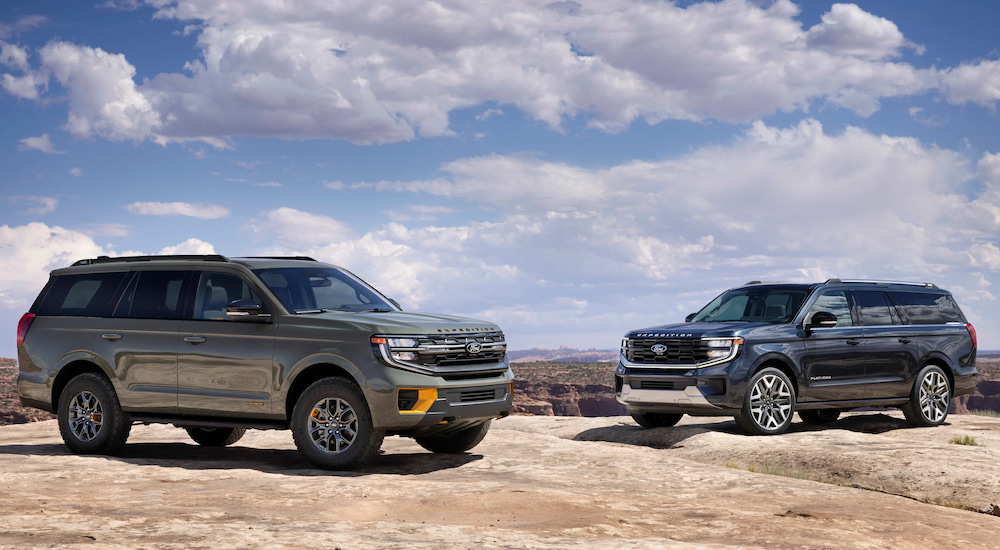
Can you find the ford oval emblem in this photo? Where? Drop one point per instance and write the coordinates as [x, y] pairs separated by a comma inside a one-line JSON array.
[[473, 348], [659, 349]]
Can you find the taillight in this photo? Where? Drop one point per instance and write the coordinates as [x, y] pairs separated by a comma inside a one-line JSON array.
[[22, 327], [972, 333]]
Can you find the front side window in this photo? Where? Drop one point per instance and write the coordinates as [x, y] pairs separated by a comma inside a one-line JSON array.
[[85, 295], [767, 304], [216, 291], [834, 302], [322, 289]]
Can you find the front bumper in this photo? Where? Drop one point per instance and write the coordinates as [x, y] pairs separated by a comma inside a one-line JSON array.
[[696, 392], [459, 408]]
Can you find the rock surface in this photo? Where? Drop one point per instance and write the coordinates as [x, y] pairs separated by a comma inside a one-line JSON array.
[[535, 482]]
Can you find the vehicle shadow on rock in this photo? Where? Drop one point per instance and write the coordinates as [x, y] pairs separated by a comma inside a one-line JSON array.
[[272, 461], [672, 437]]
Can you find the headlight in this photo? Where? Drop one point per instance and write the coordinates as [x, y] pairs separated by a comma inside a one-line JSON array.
[[401, 342], [721, 347]]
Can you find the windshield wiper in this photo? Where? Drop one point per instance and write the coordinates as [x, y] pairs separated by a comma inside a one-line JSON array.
[[321, 310], [378, 310]]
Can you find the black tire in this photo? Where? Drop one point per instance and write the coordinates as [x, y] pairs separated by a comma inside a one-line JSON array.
[[216, 437], [818, 417], [769, 403], [656, 420], [91, 420], [339, 439], [929, 398], [456, 442]]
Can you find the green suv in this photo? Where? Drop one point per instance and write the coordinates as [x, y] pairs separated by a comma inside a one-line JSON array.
[[217, 345]]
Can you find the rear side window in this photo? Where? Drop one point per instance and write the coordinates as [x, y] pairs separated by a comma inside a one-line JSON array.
[[874, 308], [82, 295], [927, 308], [156, 295]]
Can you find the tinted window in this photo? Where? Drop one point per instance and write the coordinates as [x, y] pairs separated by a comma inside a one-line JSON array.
[[85, 295], [927, 308], [155, 295], [216, 291], [874, 308], [836, 303]]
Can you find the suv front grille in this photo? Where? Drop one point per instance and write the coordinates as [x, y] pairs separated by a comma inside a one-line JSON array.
[[452, 350], [678, 352]]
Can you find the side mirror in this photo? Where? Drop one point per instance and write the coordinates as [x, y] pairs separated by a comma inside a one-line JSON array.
[[822, 319], [246, 310], [689, 317]]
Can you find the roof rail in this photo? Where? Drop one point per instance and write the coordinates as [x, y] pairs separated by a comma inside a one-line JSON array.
[[304, 258], [166, 258], [878, 282], [762, 283]]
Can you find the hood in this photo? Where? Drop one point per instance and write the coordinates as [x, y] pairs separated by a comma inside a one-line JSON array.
[[405, 322], [682, 331]]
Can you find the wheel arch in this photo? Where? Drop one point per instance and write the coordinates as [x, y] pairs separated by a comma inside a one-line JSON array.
[[70, 371], [308, 375], [942, 364], [781, 363]]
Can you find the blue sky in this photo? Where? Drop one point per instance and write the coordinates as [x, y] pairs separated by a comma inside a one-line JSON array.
[[570, 170]]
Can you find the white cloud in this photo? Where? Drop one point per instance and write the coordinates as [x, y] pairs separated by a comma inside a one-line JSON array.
[[103, 98], [647, 242], [389, 71], [977, 82], [45, 204], [190, 246], [848, 30], [75, 172], [13, 56], [296, 228], [105, 230], [984, 255], [41, 143], [203, 211], [267, 184], [30, 252]]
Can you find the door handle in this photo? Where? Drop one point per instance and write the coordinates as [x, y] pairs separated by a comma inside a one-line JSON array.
[[904, 340], [111, 336], [853, 342], [195, 339]]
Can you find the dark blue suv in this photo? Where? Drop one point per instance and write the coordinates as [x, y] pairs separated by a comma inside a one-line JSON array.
[[763, 351]]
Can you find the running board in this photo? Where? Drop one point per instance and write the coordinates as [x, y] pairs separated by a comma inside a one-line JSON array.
[[210, 422]]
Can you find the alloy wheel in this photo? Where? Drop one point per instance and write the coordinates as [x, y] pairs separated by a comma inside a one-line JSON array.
[[934, 396], [770, 402], [86, 416], [333, 425]]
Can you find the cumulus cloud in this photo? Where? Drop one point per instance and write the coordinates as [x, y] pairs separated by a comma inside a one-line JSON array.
[[296, 228], [977, 82], [103, 98], [190, 246], [75, 172], [848, 30], [390, 71], [41, 143], [203, 211], [30, 252]]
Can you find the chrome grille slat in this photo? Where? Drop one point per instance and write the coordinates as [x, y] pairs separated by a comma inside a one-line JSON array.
[[450, 350]]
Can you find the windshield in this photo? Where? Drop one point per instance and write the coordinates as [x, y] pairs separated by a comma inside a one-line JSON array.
[[765, 304], [316, 289]]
